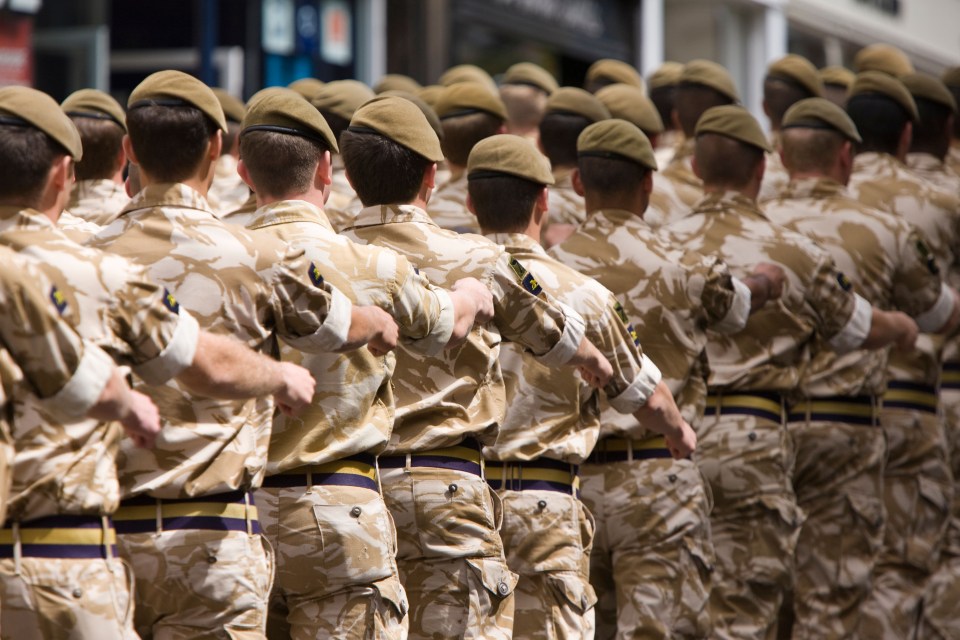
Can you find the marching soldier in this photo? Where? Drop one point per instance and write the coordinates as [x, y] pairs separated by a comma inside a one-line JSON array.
[[662, 85], [524, 89]]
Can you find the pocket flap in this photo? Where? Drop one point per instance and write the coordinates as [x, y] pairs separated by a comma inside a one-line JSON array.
[[392, 591], [933, 492], [868, 508], [574, 588], [495, 576]]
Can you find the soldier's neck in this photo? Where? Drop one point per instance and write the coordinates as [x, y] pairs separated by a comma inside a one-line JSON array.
[[598, 201], [200, 184]]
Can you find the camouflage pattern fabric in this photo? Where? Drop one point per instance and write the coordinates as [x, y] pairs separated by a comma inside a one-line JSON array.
[[676, 189], [565, 205], [953, 156], [77, 229], [935, 170], [448, 206], [667, 144], [342, 203], [97, 201], [242, 215], [228, 191]]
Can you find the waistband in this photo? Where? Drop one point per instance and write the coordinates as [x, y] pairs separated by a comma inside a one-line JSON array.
[[950, 375], [914, 396], [355, 471], [535, 475], [615, 449], [231, 511], [847, 409], [762, 404], [73, 537], [462, 457]]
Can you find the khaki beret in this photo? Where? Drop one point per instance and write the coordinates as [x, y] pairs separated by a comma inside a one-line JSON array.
[[837, 75], [886, 85], [26, 107], [426, 109], [342, 97], [91, 103], [666, 75], [927, 87], [506, 153], [396, 82], [467, 73], [631, 104], [401, 121], [531, 74], [951, 77], [820, 113], [799, 70], [174, 88], [263, 93], [307, 87], [615, 71], [615, 137], [735, 122], [430, 93], [232, 107], [882, 57], [465, 98], [709, 74], [287, 112], [578, 102]]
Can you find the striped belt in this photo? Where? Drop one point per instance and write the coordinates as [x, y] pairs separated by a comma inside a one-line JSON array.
[[762, 404], [613, 449], [462, 457], [910, 395], [60, 537], [537, 475], [355, 471], [846, 409], [232, 511], [950, 377]]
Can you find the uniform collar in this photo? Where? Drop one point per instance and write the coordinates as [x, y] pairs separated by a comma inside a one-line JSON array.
[[171, 194], [726, 202], [392, 213], [517, 242], [15, 216], [812, 188], [287, 211], [871, 159], [925, 162]]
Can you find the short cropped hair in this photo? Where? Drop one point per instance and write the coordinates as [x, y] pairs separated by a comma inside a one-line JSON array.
[[381, 170], [525, 104], [26, 154], [461, 133], [810, 150], [558, 136], [503, 203], [169, 142], [279, 163], [610, 175], [879, 120], [779, 94], [691, 100], [664, 98], [931, 135], [102, 142], [725, 162]]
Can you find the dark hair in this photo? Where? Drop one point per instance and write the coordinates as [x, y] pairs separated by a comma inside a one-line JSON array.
[[810, 149], [956, 121], [931, 135], [598, 83], [503, 202], [664, 98], [337, 124], [230, 136], [558, 136], [169, 142], [26, 155], [610, 175], [381, 170], [279, 163], [779, 94], [102, 141], [880, 121], [725, 162], [461, 133], [692, 99]]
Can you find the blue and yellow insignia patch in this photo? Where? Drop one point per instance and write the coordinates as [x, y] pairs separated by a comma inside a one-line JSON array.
[[623, 318], [315, 276], [844, 282], [926, 256], [527, 281], [170, 302], [58, 300]]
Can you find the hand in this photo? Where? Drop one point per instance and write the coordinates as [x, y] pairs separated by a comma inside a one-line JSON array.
[[684, 444], [597, 373], [141, 420], [774, 275], [386, 334], [479, 294], [297, 390], [661, 415], [907, 331]]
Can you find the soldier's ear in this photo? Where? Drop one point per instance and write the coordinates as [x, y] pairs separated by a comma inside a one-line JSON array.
[[216, 145], [127, 146], [577, 182], [324, 175], [244, 174], [695, 167]]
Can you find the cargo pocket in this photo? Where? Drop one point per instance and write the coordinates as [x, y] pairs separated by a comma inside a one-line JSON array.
[[860, 547], [357, 542], [494, 576], [454, 515], [392, 591], [773, 540], [571, 590], [929, 524]]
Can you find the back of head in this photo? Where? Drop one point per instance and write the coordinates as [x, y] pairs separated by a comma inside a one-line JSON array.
[[468, 113], [630, 104], [703, 84], [813, 133], [789, 80], [730, 146], [935, 108], [882, 57], [233, 111], [614, 157], [609, 71], [524, 90], [662, 85], [569, 111], [881, 107], [101, 123], [337, 101]]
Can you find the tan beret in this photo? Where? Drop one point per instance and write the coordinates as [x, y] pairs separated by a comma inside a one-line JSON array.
[[615, 137], [174, 88], [264, 93], [577, 101], [466, 98], [879, 82], [430, 93], [799, 70], [837, 75], [396, 82], [735, 122], [468, 73], [882, 57], [232, 107], [820, 113], [91, 103], [287, 112], [951, 77], [506, 153], [531, 74], [307, 87], [26, 107], [425, 109], [342, 97], [401, 121], [631, 104], [710, 74], [666, 75], [927, 87], [614, 71]]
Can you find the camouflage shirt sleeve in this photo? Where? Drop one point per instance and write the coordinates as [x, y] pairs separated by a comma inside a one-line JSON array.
[[725, 299], [918, 289], [634, 374], [423, 312], [841, 316]]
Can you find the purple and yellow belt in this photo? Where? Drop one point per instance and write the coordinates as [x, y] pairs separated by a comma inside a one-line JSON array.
[[543, 474], [62, 536], [354, 471], [463, 457], [230, 511], [617, 449]]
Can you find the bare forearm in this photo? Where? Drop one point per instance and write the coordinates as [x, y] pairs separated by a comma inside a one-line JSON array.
[[228, 369], [661, 414], [890, 327]]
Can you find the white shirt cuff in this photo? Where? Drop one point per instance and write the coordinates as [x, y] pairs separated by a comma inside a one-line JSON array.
[[636, 395], [739, 312], [176, 356], [83, 390], [333, 334], [573, 332], [933, 319], [856, 330]]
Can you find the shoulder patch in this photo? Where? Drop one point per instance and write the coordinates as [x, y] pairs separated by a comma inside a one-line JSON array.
[[926, 256], [527, 281], [58, 300], [315, 276], [170, 302], [844, 281], [618, 308]]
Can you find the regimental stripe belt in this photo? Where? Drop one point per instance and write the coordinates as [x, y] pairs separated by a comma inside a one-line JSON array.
[[75, 537], [950, 378], [761, 404], [462, 457], [355, 471], [846, 409], [910, 395], [613, 449], [536, 475], [232, 511]]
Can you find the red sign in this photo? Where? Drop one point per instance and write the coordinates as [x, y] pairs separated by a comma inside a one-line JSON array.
[[16, 55]]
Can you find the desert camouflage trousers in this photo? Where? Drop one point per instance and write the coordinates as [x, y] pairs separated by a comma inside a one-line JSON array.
[[917, 494], [336, 572], [196, 583], [450, 554], [838, 481], [69, 599], [755, 522], [652, 554], [547, 537]]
